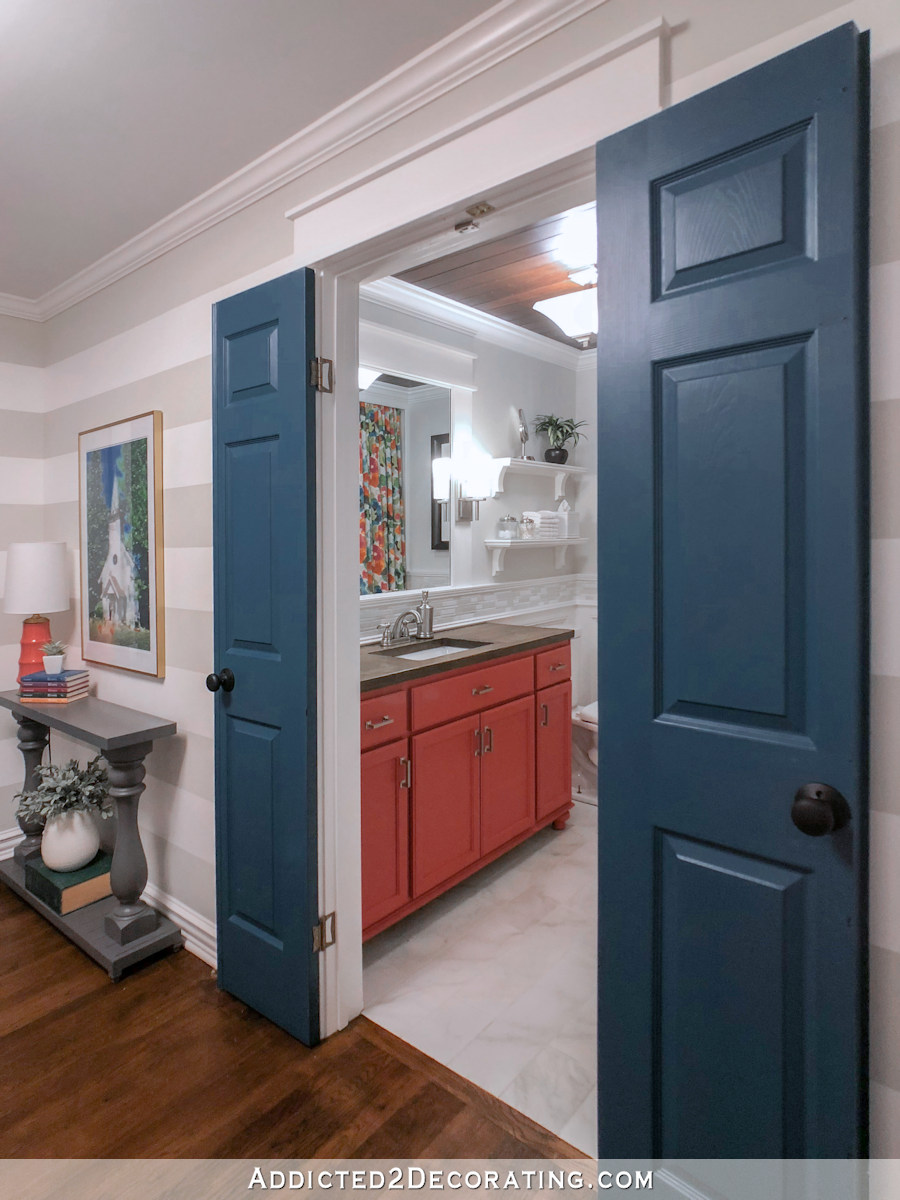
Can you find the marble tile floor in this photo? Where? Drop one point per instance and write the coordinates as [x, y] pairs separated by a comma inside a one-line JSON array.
[[497, 979]]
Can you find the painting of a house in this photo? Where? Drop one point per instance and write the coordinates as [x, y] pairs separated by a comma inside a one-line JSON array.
[[119, 526]]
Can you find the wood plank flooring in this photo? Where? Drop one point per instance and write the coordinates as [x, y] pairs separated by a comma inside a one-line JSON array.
[[163, 1065]]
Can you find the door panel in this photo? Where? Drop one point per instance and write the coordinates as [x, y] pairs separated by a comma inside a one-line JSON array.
[[385, 831], [553, 748], [265, 622], [446, 801], [732, 540], [507, 772]]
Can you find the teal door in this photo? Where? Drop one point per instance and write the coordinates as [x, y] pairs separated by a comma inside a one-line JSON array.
[[732, 526], [264, 526]]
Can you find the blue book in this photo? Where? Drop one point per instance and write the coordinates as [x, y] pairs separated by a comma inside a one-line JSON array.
[[43, 677]]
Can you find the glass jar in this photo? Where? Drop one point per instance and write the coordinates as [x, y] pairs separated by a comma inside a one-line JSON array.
[[508, 528]]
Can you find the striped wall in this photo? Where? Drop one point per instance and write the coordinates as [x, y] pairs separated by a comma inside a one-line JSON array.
[[63, 378]]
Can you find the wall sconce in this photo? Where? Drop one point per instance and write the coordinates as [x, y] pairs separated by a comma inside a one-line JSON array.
[[469, 482]]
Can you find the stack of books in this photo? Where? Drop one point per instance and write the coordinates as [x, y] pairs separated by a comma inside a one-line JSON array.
[[41, 688]]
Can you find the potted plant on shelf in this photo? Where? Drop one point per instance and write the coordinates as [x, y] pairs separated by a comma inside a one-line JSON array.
[[54, 657], [68, 798], [559, 430]]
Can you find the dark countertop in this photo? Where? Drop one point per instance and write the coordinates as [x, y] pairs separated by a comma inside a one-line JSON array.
[[379, 670], [97, 722]]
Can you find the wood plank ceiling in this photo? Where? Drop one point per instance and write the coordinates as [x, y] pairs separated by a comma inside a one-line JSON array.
[[505, 277]]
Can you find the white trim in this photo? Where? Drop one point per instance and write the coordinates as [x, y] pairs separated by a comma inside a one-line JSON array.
[[405, 297], [199, 932], [20, 306], [9, 839], [400, 353], [488, 40]]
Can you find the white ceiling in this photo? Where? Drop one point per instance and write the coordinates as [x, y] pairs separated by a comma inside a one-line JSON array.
[[114, 113]]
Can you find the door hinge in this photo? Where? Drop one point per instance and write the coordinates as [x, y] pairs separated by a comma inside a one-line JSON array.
[[321, 374], [324, 933]]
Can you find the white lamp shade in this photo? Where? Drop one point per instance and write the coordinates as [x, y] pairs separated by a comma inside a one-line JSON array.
[[37, 578]]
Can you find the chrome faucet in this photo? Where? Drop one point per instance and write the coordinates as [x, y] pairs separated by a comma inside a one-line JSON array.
[[423, 616]]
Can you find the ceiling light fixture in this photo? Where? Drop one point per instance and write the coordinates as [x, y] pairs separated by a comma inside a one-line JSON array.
[[576, 243], [575, 312]]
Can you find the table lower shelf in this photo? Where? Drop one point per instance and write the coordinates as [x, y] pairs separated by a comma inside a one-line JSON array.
[[85, 927]]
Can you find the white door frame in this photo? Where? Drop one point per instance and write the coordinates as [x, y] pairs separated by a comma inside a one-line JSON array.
[[623, 89]]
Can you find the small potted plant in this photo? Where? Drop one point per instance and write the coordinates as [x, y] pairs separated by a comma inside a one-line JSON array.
[[559, 430], [68, 798], [54, 657]]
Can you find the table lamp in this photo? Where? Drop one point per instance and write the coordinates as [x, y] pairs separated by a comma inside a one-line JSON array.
[[37, 581]]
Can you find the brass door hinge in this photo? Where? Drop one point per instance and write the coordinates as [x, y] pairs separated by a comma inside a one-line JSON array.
[[324, 933], [321, 374]]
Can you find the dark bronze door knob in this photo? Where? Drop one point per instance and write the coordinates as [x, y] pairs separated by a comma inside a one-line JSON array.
[[224, 680], [819, 809]]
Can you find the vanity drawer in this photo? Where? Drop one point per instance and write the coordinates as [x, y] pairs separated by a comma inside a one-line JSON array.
[[553, 665], [382, 719], [493, 683]]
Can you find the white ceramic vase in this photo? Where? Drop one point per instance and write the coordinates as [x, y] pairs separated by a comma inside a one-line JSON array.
[[53, 663], [70, 841]]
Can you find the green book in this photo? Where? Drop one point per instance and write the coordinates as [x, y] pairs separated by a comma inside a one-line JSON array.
[[64, 891]]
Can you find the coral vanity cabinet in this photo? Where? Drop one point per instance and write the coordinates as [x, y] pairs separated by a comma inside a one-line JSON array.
[[458, 767]]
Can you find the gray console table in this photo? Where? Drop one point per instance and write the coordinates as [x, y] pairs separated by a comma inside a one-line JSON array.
[[120, 931]]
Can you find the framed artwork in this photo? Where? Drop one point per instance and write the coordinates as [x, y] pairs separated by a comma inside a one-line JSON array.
[[121, 562], [440, 521]]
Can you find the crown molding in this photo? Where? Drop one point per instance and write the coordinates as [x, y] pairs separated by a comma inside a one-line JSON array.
[[19, 306], [484, 42], [407, 298]]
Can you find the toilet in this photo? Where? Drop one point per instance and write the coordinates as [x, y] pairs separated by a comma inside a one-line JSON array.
[[585, 754]]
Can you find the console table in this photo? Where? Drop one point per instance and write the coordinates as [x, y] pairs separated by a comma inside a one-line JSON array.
[[120, 931]]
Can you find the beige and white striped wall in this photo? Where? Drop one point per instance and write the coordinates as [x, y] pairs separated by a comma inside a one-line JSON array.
[[143, 343]]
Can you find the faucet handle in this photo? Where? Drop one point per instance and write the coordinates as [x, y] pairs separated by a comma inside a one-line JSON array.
[[385, 629]]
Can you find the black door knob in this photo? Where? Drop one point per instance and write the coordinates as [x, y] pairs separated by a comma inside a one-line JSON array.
[[224, 680], [819, 809]]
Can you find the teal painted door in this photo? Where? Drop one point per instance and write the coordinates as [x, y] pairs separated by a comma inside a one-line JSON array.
[[732, 518], [264, 523]]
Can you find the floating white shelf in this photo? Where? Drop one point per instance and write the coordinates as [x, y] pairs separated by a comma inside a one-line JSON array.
[[545, 470], [499, 547]]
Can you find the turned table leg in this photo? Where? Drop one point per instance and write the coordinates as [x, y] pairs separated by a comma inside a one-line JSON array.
[[33, 738], [132, 919]]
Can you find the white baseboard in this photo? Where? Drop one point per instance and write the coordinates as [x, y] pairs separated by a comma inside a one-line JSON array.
[[9, 839], [199, 932]]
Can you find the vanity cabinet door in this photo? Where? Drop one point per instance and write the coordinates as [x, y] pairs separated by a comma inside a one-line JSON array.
[[385, 830], [445, 802], [507, 772], [554, 748]]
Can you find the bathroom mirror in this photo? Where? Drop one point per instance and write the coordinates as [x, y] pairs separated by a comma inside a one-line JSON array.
[[404, 545]]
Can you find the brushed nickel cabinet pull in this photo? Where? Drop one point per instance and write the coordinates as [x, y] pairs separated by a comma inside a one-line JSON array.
[[406, 782], [477, 743], [546, 711], [482, 690], [558, 667], [490, 736], [385, 720]]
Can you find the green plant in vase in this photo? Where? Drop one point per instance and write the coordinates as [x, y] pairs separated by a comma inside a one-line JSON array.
[[67, 799], [559, 431], [54, 656]]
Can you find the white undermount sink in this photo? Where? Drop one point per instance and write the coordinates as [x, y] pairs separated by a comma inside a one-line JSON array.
[[439, 648]]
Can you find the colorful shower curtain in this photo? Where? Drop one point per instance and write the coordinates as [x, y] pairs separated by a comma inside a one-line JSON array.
[[382, 541]]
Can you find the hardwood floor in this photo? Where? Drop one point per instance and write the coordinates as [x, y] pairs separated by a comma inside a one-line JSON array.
[[163, 1065]]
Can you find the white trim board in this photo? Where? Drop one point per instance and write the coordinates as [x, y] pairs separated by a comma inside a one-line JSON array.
[[488, 40]]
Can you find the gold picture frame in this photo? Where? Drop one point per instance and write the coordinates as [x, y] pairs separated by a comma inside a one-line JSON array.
[[120, 522]]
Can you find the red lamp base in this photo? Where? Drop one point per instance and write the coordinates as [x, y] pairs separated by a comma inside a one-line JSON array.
[[35, 634]]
